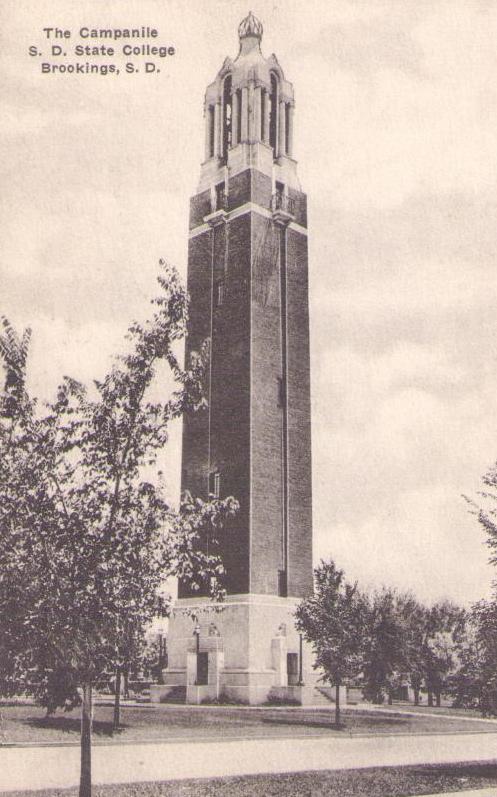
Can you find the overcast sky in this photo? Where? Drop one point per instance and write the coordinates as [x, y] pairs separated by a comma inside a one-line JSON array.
[[395, 134]]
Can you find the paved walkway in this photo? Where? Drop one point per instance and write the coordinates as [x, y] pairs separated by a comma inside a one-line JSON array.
[[409, 713], [473, 793], [57, 766]]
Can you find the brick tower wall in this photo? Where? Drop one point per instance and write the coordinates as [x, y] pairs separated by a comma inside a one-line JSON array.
[[245, 415], [267, 470], [230, 395], [300, 580]]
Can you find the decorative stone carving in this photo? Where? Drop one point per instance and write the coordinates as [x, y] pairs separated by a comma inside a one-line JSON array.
[[250, 26]]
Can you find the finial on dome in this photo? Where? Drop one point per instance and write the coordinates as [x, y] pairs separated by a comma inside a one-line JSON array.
[[250, 26]]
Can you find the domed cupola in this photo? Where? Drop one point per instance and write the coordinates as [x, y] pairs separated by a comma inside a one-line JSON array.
[[250, 26]]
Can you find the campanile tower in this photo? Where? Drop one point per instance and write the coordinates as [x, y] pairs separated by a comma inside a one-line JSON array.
[[248, 283]]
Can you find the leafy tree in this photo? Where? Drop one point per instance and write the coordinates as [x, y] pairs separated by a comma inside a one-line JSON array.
[[414, 616], [444, 621], [332, 620], [474, 682], [408, 640], [484, 615], [154, 657], [416, 681], [13, 352], [411, 617], [487, 513], [86, 535], [476, 678], [386, 648]]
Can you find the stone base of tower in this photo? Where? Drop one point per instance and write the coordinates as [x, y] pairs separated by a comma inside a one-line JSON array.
[[248, 651]]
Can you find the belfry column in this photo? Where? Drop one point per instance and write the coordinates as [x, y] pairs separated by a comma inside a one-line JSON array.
[[251, 112], [290, 131], [217, 129], [266, 116], [207, 116], [257, 113], [282, 129], [234, 119], [245, 115]]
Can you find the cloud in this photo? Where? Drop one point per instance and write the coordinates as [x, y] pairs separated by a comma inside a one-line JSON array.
[[403, 369], [365, 46], [413, 545], [401, 99]]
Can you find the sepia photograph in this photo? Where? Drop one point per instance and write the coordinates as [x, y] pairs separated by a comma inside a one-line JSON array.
[[248, 398]]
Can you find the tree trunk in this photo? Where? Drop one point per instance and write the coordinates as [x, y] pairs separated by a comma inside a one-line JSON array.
[[430, 698], [390, 697], [160, 677], [416, 697], [337, 705], [117, 700], [126, 683], [86, 718], [438, 696]]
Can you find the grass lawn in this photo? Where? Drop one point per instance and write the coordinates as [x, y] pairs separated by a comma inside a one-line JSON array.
[[28, 724], [349, 783]]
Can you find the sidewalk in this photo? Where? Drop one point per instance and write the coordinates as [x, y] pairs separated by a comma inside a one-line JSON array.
[[56, 767], [473, 793], [409, 713]]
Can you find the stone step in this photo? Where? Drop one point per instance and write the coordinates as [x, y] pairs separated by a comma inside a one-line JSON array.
[[322, 697]]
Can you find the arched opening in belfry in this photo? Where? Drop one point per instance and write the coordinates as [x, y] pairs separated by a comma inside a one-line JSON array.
[[227, 116], [273, 114]]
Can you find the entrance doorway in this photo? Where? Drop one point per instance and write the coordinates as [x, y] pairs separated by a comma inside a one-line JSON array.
[[202, 669], [292, 667]]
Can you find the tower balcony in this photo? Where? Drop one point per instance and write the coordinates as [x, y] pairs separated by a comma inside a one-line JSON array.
[[283, 208]]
